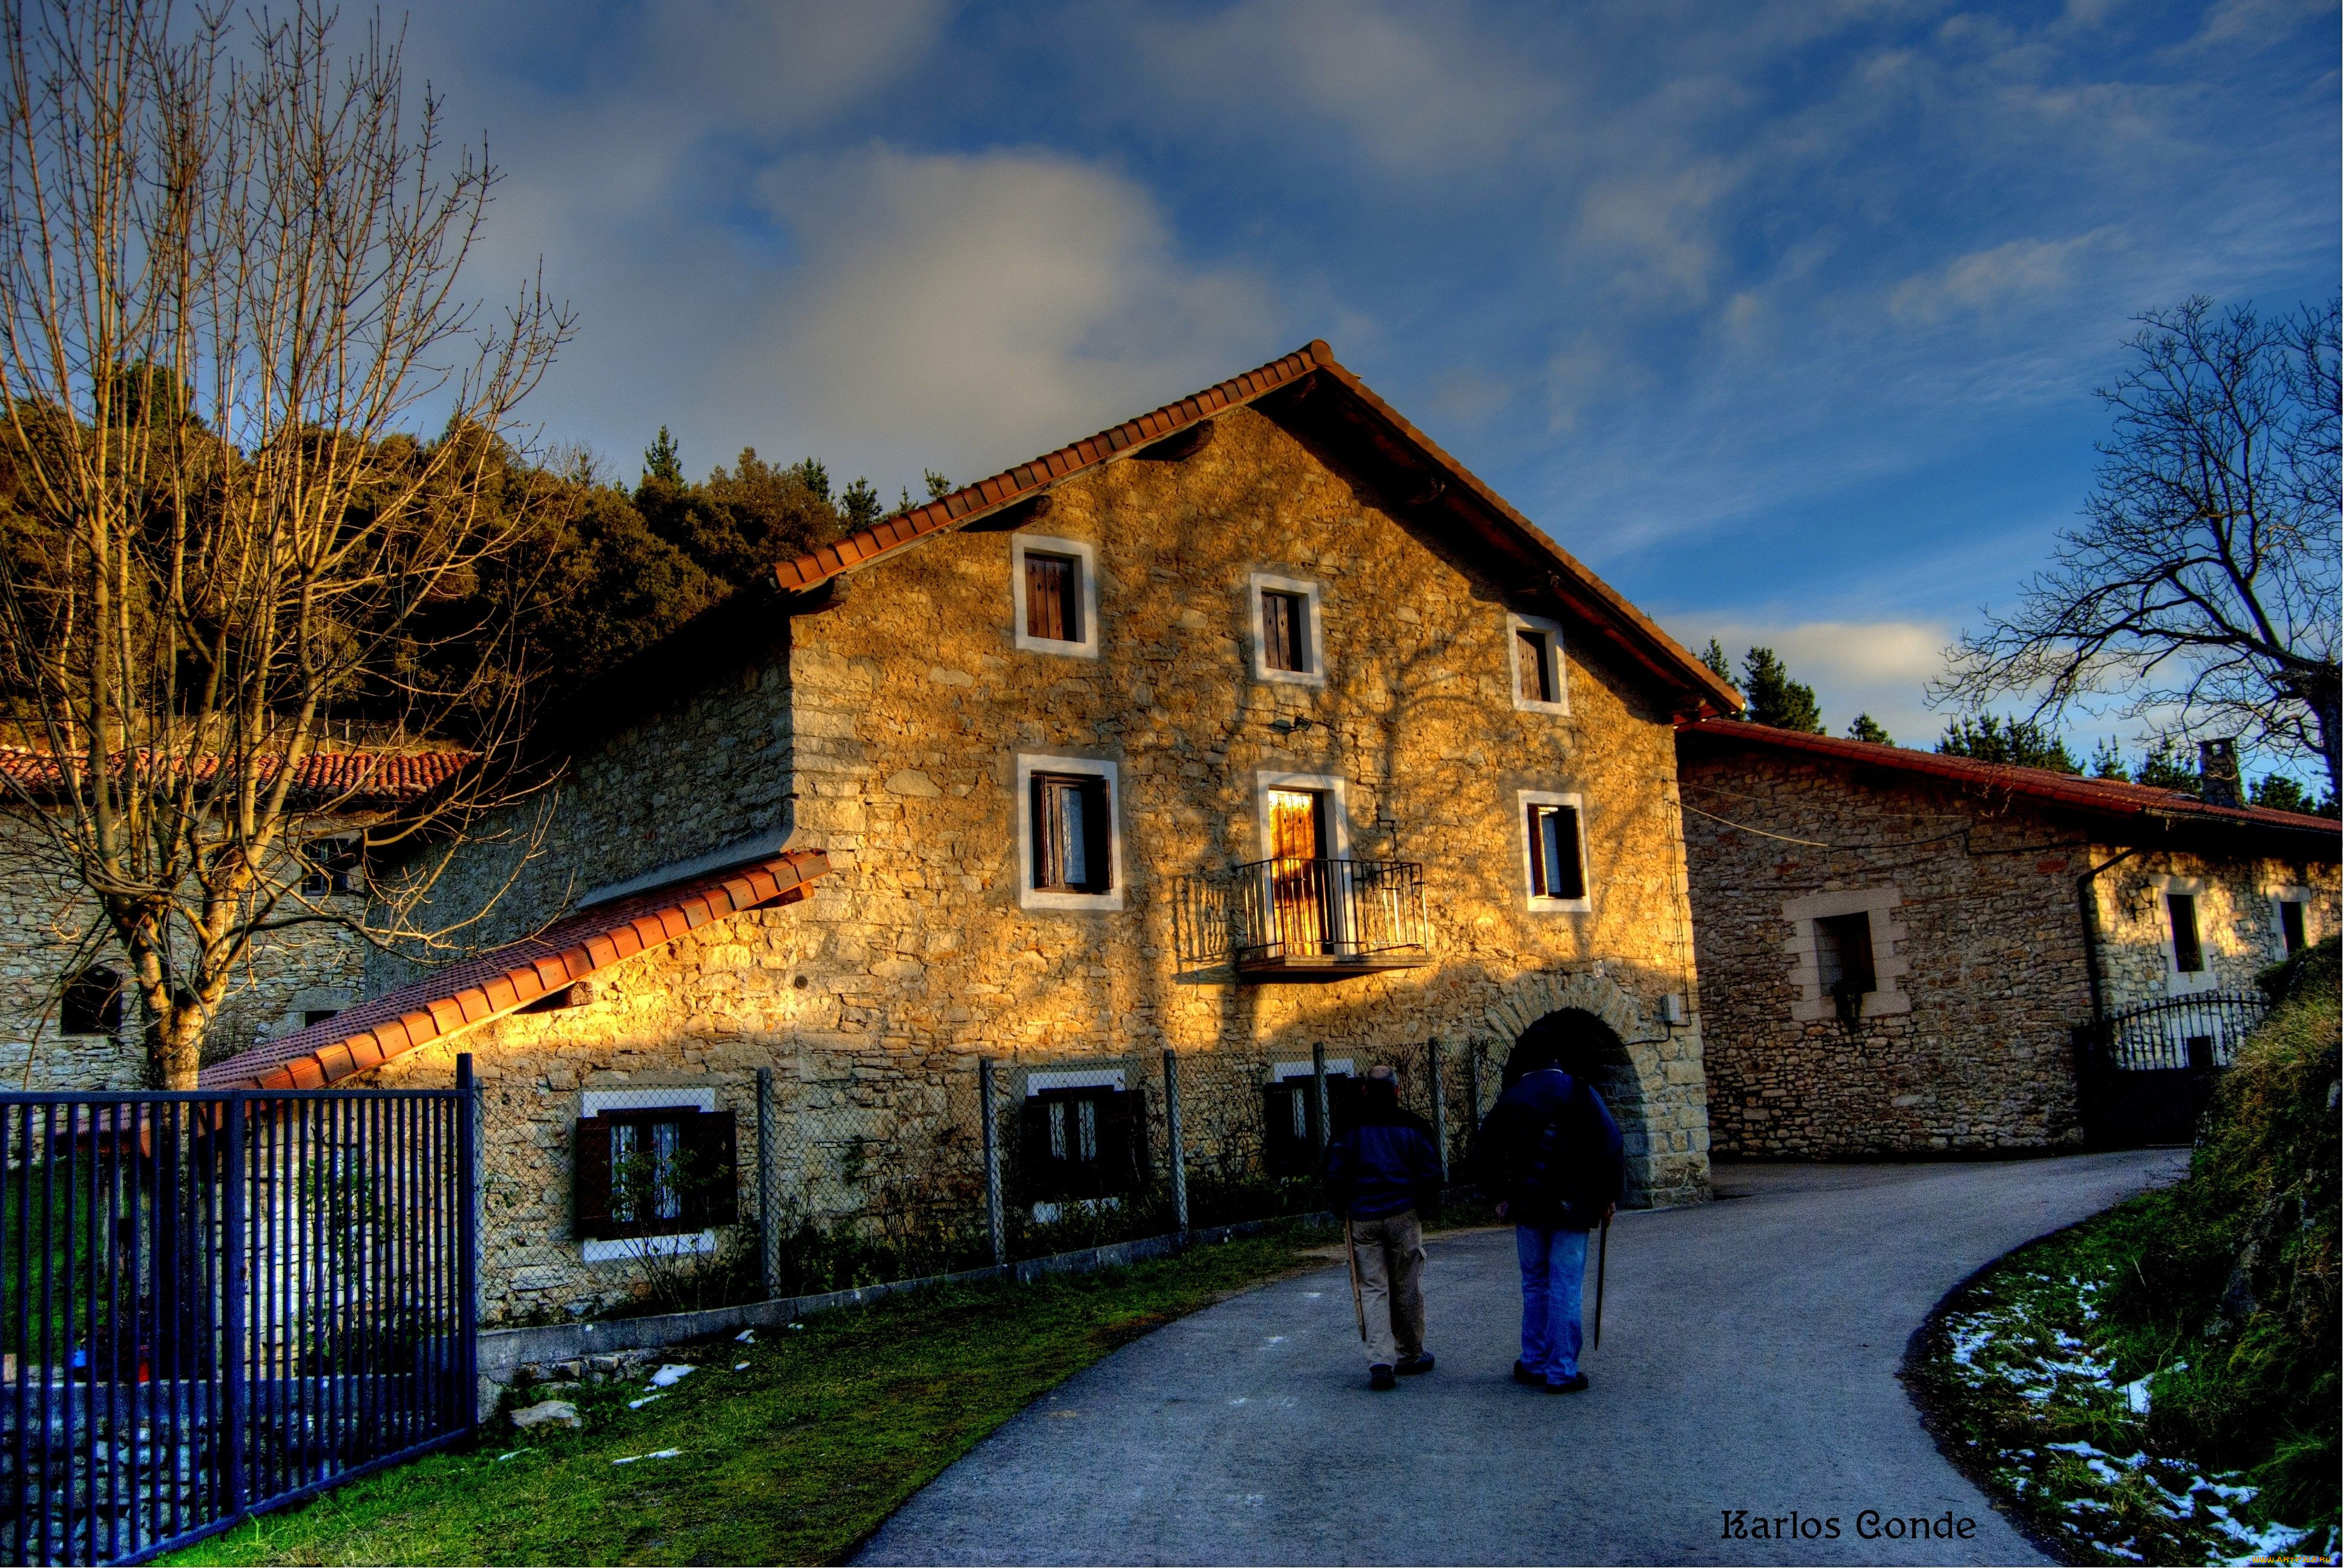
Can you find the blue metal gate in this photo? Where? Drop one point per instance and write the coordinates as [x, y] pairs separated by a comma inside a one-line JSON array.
[[213, 1304]]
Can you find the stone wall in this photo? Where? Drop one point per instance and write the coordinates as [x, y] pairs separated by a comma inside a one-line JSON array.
[[1977, 934], [2236, 919], [42, 921], [892, 741]]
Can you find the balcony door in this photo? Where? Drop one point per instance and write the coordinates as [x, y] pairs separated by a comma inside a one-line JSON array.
[[1298, 843]]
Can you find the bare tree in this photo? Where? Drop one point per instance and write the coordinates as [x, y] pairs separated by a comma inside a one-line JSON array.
[[2201, 591], [230, 263]]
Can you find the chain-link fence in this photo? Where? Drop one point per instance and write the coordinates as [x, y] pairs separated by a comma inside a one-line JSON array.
[[671, 1192]]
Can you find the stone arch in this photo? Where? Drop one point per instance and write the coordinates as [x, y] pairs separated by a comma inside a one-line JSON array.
[[1626, 1066]]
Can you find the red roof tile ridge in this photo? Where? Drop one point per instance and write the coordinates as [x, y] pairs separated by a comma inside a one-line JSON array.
[[2045, 783], [472, 991]]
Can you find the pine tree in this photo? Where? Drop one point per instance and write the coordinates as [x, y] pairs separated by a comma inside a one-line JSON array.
[[2107, 762], [2018, 742], [1774, 699], [2167, 765], [1867, 728], [937, 486], [815, 476], [860, 504], [663, 461], [1718, 665]]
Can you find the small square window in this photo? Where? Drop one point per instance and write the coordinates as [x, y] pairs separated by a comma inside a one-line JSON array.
[[1070, 826], [1082, 1143], [1555, 871], [1054, 597], [2188, 948], [656, 1171], [2291, 924], [1284, 630], [1843, 955], [329, 867], [91, 1003]]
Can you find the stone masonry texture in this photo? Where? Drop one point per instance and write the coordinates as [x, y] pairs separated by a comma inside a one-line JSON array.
[[886, 728], [1988, 931]]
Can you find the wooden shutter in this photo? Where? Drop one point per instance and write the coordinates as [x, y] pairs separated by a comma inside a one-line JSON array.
[[1037, 1169], [1050, 606], [1538, 876], [1281, 621], [589, 1178], [712, 1169], [1566, 877], [1122, 1139], [1536, 675], [1098, 835]]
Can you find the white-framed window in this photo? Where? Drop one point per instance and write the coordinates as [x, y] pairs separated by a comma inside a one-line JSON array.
[[1288, 630], [1068, 834], [1540, 684], [1553, 851], [1302, 811], [2290, 919], [1055, 585], [2180, 910], [1846, 942], [651, 1166]]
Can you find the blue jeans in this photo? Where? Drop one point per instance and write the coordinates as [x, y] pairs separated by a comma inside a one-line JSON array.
[[1554, 1276]]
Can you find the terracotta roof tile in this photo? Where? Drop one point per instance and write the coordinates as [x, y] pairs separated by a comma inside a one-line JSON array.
[[2105, 797], [468, 993], [367, 778]]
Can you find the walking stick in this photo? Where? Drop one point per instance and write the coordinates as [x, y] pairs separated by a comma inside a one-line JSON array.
[[1601, 1263], [1358, 1300]]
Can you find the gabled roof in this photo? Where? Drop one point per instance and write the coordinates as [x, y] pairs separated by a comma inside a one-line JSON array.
[[361, 778], [450, 1000], [2137, 806], [1459, 493]]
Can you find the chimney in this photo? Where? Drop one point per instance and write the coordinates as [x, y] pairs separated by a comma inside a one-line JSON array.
[[2216, 772]]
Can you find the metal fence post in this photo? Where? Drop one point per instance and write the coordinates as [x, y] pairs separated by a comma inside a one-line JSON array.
[[1178, 1148], [232, 1221], [468, 1234], [768, 1230], [1318, 1095], [993, 1220], [1439, 1105]]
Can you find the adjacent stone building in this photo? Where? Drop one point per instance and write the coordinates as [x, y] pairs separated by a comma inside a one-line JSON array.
[[1254, 725], [1895, 947], [67, 1020]]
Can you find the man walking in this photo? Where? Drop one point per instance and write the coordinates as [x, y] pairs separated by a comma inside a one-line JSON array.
[[1552, 1153], [1384, 1172]]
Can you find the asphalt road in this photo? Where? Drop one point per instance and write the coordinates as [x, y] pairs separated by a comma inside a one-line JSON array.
[[1748, 1363]]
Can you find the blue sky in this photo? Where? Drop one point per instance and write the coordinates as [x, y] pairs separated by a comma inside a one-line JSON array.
[[1785, 317]]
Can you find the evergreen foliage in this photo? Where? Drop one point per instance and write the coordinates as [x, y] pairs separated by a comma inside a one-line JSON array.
[[1774, 699], [1867, 728], [2018, 742], [1718, 665], [662, 459]]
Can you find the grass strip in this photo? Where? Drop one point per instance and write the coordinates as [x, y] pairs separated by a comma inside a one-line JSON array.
[[796, 1457]]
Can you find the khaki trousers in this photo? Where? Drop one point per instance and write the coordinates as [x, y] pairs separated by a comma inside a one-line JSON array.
[[1391, 1280]]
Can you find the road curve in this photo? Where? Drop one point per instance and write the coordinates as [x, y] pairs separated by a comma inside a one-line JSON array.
[[1749, 1358]]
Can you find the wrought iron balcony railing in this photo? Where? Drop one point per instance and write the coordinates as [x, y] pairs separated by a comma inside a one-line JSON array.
[[1309, 918]]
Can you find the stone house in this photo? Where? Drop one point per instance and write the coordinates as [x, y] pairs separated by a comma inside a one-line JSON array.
[[67, 1020], [1254, 724], [1897, 947]]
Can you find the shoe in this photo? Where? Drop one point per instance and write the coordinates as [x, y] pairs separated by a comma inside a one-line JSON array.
[[1415, 1366], [1380, 1377], [1521, 1374], [1574, 1385]]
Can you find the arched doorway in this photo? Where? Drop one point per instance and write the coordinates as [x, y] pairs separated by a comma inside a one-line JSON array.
[[1591, 1049]]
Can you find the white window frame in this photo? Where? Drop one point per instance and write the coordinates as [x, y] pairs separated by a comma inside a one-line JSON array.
[[1087, 645], [1537, 905], [1888, 963], [1314, 635], [1029, 897], [1332, 786], [592, 1103], [1074, 1077], [1287, 1071], [2176, 981], [1553, 632], [2290, 895]]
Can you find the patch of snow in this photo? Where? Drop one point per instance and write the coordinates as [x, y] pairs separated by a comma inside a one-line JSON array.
[[670, 1375], [739, 1366], [655, 1453], [747, 1336], [638, 1404]]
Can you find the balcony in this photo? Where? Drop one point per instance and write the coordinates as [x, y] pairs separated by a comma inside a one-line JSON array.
[[1304, 920]]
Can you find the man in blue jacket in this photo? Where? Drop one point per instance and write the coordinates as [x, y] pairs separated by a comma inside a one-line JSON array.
[[1551, 1152], [1384, 1171]]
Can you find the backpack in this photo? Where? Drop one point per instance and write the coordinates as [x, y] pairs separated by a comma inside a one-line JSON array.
[[1551, 1176]]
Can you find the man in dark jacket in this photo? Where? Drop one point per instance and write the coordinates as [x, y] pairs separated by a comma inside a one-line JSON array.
[[1384, 1171], [1551, 1152]]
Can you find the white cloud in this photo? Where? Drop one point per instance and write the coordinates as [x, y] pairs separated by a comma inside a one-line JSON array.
[[2022, 272], [969, 311], [1880, 667]]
